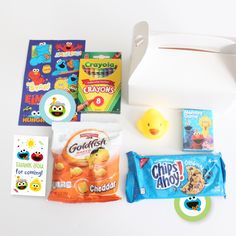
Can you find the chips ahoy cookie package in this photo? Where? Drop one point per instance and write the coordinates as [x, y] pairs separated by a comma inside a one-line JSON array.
[[86, 162], [174, 176]]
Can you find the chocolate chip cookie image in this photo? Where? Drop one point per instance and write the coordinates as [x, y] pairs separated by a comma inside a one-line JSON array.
[[195, 182]]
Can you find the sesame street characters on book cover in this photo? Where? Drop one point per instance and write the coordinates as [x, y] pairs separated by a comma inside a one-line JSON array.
[[197, 130]]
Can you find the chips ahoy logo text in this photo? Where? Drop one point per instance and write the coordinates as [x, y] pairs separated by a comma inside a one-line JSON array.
[[167, 174]]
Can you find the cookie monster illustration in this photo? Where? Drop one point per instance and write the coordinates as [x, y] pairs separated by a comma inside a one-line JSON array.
[[193, 203], [23, 155], [61, 67], [35, 114], [72, 80], [188, 136], [72, 85], [57, 108], [42, 54], [21, 184]]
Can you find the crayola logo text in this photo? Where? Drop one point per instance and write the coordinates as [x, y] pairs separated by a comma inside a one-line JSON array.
[[99, 65], [167, 175]]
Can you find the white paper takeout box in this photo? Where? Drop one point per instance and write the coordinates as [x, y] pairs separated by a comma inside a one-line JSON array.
[[181, 70]]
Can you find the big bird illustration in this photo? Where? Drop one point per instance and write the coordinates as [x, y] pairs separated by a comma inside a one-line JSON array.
[[205, 123]]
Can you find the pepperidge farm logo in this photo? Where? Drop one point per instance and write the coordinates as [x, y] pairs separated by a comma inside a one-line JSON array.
[[167, 175]]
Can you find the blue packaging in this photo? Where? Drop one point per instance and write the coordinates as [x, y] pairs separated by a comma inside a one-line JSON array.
[[174, 176], [197, 130]]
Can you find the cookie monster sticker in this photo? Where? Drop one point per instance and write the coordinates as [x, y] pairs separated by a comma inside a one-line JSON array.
[[41, 53], [57, 105], [192, 208]]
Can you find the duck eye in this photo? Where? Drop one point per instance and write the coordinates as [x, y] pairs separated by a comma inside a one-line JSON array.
[[148, 124]]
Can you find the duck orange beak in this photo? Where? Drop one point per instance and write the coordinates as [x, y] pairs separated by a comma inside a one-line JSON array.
[[154, 131]]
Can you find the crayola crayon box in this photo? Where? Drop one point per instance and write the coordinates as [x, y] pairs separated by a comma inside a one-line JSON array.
[[197, 130], [99, 85]]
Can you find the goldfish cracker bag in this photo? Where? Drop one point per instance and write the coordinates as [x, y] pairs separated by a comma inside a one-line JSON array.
[[86, 162]]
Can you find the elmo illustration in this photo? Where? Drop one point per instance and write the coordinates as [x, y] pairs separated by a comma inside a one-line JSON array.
[[68, 47], [197, 140], [36, 77]]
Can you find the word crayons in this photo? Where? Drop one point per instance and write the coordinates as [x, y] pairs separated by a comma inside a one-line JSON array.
[[99, 87]]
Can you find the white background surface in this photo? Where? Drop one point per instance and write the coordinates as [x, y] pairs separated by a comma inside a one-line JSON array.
[[107, 26]]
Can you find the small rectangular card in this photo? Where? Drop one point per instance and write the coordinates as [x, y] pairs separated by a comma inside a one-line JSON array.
[[197, 130], [50, 64], [29, 167]]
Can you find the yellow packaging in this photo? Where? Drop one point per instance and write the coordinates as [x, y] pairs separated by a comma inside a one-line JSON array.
[[99, 87]]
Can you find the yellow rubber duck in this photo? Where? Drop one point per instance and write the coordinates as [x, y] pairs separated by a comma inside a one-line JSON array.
[[152, 124]]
